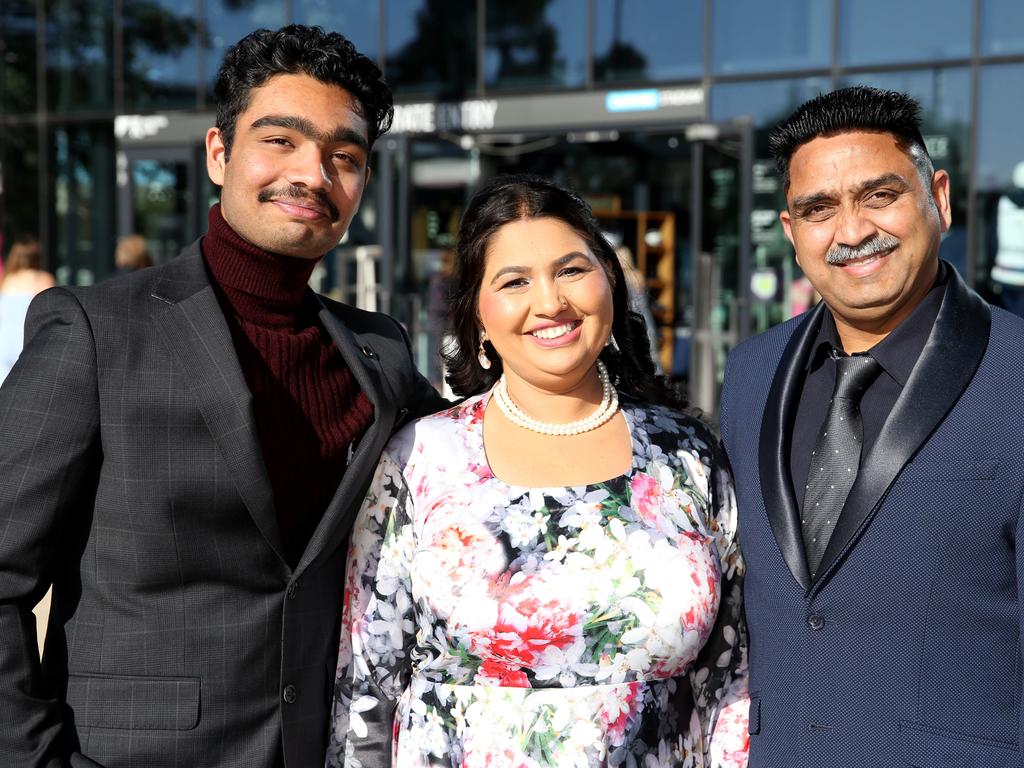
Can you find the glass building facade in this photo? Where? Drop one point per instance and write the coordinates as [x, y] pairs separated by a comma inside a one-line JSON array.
[[656, 110]]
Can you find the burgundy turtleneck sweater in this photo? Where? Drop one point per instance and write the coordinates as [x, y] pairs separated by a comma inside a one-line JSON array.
[[308, 407]]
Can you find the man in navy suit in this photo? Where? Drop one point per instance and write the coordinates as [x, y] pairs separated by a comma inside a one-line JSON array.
[[878, 448]]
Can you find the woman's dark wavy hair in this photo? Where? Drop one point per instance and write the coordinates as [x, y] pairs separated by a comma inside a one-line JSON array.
[[299, 50], [516, 197]]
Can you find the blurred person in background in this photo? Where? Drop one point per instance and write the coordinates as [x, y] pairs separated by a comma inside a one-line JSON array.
[[23, 279], [131, 254], [546, 574], [639, 299]]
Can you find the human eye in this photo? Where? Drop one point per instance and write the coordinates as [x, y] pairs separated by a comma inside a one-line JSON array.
[[342, 157], [277, 141], [879, 198], [512, 283], [573, 270], [816, 212]]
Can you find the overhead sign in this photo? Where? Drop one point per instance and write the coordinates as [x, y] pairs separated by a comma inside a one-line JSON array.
[[553, 111], [575, 111]]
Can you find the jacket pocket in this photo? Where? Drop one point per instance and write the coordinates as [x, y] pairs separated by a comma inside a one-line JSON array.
[[924, 747], [136, 703]]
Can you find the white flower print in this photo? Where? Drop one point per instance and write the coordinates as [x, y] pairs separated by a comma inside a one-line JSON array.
[[489, 625]]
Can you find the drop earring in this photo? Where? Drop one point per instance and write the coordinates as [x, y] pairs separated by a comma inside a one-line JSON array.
[[612, 343], [481, 356]]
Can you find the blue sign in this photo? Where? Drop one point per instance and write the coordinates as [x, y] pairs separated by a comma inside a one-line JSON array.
[[632, 101]]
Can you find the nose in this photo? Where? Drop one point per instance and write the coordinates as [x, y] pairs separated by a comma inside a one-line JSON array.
[[548, 300], [853, 227], [308, 170]]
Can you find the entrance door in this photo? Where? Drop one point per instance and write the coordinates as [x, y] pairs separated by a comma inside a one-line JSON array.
[[159, 197], [720, 232]]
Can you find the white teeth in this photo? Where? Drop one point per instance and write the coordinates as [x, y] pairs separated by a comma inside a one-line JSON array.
[[864, 260], [554, 332]]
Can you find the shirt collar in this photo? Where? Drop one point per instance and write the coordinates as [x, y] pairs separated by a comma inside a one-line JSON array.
[[897, 353]]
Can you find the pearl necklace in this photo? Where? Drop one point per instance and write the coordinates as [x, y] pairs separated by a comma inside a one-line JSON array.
[[608, 407]]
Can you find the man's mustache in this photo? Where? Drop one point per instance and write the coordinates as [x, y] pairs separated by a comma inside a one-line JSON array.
[[293, 192], [840, 254]]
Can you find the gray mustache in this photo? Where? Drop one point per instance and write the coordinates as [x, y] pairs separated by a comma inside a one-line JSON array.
[[840, 254]]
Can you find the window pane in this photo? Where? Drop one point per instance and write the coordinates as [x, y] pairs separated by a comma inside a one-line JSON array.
[[160, 67], [765, 102], [228, 21], [542, 42], [754, 36], [887, 32], [19, 172], [162, 203], [944, 96], [78, 55], [1002, 26], [17, 56], [82, 225], [628, 47], [1000, 187], [358, 20], [431, 47]]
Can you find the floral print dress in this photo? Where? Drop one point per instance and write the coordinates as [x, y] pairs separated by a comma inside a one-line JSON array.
[[487, 624]]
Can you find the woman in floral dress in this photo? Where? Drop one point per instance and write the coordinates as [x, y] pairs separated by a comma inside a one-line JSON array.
[[546, 574]]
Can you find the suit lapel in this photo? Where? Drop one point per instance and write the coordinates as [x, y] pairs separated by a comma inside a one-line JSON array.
[[365, 364], [947, 364], [192, 324], [774, 445]]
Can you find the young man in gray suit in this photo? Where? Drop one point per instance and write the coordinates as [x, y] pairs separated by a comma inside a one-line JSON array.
[[183, 450]]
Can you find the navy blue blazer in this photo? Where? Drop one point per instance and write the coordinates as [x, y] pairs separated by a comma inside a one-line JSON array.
[[905, 650]]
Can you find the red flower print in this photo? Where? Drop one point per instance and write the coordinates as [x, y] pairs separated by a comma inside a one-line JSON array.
[[495, 673]]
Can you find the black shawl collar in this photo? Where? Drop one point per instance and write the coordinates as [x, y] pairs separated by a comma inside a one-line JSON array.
[[947, 364]]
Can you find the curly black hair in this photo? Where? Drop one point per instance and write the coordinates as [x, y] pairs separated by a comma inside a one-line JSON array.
[[521, 196], [299, 50], [856, 108]]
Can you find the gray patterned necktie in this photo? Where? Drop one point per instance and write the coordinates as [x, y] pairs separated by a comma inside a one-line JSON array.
[[836, 455]]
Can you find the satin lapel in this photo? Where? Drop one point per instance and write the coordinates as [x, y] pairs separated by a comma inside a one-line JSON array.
[[192, 324], [773, 448], [947, 364], [365, 364]]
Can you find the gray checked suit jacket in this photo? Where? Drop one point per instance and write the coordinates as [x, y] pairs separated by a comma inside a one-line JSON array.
[[131, 479]]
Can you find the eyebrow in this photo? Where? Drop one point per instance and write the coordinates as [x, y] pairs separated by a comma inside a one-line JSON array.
[[561, 261], [886, 179], [340, 135]]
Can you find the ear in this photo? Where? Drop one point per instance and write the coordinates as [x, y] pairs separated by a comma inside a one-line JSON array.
[[787, 228], [368, 174], [940, 194], [216, 156]]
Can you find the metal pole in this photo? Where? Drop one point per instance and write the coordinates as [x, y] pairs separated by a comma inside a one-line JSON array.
[[386, 210], [697, 340], [746, 189]]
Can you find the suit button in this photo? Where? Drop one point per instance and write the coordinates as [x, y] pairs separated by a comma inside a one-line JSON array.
[[292, 589], [368, 352], [289, 694], [814, 621]]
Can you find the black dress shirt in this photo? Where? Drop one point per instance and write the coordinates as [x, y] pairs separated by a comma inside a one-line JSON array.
[[897, 353]]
